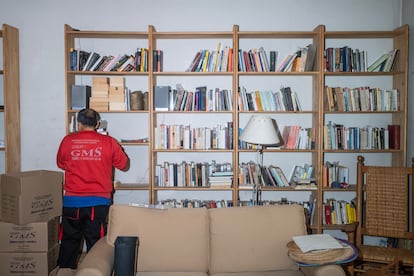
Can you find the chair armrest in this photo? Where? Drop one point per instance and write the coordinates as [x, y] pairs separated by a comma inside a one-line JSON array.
[[323, 270], [98, 261], [350, 230]]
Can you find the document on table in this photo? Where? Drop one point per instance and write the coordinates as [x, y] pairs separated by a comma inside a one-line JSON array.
[[309, 243]]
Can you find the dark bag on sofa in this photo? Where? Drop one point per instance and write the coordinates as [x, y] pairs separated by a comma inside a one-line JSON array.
[[126, 256]]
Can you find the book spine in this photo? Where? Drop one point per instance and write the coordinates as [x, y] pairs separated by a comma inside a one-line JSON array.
[[394, 136]]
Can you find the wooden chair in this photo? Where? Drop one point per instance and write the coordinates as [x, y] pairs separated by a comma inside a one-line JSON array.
[[386, 270], [384, 210]]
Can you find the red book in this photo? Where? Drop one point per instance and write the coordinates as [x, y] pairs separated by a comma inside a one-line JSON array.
[[394, 134], [327, 211], [230, 61]]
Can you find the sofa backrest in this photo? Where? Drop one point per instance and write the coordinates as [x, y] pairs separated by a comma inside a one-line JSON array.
[[253, 238], [170, 239]]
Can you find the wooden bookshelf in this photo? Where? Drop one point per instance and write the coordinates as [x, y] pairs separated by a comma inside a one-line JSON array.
[[179, 49], [395, 79], [11, 98]]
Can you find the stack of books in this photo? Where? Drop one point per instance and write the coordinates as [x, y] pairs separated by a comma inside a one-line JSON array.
[[221, 179]]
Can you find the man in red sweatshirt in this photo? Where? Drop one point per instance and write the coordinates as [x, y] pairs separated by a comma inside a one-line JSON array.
[[87, 158]]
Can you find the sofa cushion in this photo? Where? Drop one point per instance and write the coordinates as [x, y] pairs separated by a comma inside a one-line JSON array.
[[262, 273], [253, 238], [173, 240], [153, 273]]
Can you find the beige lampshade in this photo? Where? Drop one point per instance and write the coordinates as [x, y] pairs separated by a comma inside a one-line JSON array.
[[261, 130]]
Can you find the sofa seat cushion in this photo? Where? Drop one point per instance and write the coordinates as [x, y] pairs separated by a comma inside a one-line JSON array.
[[262, 273], [248, 239], [170, 240], [153, 273]]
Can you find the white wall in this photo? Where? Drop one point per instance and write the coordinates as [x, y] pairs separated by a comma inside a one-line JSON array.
[[41, 42]]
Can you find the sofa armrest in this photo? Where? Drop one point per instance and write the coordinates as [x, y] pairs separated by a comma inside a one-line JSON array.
[[98, 261], [323, 270]]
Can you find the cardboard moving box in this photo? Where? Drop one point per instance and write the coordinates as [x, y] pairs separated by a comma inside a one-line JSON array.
[[32, 196], [35, 236], [28, 263]]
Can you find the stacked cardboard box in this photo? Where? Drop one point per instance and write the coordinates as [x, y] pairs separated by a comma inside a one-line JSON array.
[[117, 94], [99, 99], [31, 204], [108, 94]]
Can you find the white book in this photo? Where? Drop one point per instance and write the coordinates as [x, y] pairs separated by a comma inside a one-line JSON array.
[[224, 60]]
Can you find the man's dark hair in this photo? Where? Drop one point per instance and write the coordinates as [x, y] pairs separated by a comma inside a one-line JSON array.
[[88, 117]]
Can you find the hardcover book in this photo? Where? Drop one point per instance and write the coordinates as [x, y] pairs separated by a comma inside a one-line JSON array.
[[394, 136], [273, 58], [161, 98]]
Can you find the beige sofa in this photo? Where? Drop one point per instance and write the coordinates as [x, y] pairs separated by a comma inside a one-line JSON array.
[[244, 241]]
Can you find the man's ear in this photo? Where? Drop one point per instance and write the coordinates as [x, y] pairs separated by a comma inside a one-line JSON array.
[[97, 124]]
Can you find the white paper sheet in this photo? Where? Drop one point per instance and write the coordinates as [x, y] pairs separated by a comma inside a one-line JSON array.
[[309, 243]]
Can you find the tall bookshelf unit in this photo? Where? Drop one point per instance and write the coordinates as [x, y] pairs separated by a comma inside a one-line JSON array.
[[306, 84], [129, 126], [176, 46], [397, 78], [10, 106], [178, 52]]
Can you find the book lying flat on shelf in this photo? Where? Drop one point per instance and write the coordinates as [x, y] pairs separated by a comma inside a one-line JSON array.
[[308, 243]]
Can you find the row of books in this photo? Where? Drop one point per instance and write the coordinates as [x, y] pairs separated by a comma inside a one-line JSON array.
[[194, 203], [81, 60], [192, 174], [335, 175], [256, 60], [341, 59], [396, 243], [297, 137], [252, 60], [197, 174], [185, 137], [361, 99], [340, 137], [222, 203], [294, 137], [283, 100], [282, 201], [251, 173], [345, 59], [202, 99], [301, 60], [220, 60], [338, 212], [303, 176], [385, 62]]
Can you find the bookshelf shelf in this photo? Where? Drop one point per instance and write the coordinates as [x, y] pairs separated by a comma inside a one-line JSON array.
[[193, 188], [179, 49], [131, 186], [111, 73], [193, 73], [350, 188]]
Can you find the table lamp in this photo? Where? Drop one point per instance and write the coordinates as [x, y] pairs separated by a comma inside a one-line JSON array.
[[263, 131]]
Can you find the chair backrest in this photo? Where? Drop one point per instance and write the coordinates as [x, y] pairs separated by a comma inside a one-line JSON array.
[[383, 202]]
